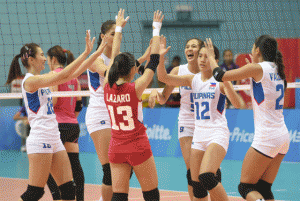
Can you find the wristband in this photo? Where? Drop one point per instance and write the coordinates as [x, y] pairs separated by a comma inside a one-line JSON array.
[[154, 61], [156, 32], [156, 28], [118, 29], [218, 74]]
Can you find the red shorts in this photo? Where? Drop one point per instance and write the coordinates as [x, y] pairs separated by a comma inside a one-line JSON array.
[[132, 159]]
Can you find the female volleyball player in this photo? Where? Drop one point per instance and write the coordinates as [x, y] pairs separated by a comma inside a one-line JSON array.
[[66, 110], [97, 117], [271, 138], [186, 119], [129, 145], [45, 150], [211, 134]]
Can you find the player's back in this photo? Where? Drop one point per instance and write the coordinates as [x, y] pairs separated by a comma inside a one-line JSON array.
[[65, 106], [125, 110]]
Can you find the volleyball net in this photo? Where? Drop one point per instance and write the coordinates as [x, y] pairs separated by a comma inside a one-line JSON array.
[[231, 25]]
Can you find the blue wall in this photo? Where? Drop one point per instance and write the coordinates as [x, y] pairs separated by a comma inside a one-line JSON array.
[[161, 126], [60, 22]]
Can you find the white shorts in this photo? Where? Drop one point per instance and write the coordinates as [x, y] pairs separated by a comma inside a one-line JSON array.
[[97, 119], [272, 147], [185, 131], [41, 147], [204, 137]]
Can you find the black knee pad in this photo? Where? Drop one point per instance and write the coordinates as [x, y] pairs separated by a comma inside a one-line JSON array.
[[152, 195], [219, 175], [264, 188], [119, 197], [198, 190], [106, 174], [33, 193], [189, 177], [208, 180], [244, 189], [67, 190]]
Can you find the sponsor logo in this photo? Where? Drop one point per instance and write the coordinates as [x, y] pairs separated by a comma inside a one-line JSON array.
[[158, 132]]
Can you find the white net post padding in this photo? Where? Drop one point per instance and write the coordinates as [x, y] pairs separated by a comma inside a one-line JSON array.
[[147, 91]]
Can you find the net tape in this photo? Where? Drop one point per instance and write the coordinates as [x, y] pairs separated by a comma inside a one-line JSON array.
[[147, 91]]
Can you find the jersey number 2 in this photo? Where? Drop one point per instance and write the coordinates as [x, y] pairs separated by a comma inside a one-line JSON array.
[[127, 117], [280, 88]]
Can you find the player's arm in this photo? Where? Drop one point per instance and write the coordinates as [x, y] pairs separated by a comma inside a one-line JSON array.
[[235, 99], [79, 104], [53, 89], [120, 23]]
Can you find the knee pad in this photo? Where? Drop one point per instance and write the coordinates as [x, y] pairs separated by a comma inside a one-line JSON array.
[[208, 180], [244, 189], [198, 190], [106, 174], [119, 197], [219, 175], [189, 177], [264, 188], [33, 193], [152, 195], [67, 190]]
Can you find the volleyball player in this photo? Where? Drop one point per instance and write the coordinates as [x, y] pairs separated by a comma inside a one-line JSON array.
[[211, 133], [186, 119], [97, 117], [129, 145], [67, 110], [45, 150], [271, 137]]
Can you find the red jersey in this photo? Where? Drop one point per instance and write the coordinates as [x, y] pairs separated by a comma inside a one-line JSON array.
[[126, 116], [65, 106]]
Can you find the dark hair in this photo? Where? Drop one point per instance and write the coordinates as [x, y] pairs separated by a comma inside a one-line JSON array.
[[63, 56], [106, 26], [216, 51], [121, 67], [200, 42], [28, 50], [269, 50], [176, 58], [227, 50]]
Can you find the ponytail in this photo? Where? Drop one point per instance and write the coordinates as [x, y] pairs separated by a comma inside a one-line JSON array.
[[14, 70], [70, 57], [280, 66], [113, 74]]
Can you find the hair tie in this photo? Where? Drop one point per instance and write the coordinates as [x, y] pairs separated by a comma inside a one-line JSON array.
[[64, 50]]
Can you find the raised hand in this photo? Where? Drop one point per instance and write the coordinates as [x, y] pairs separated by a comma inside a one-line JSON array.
[[89, 44], [152, 98], [163, 46], [103, 44], [209, 48], [158, 17], [120, 21]]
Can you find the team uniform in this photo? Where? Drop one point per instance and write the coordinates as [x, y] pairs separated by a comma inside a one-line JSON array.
[[97, 117], [129, 142], [44, 136], [271, 134], [209, 115], [186, 121], [65, 112]]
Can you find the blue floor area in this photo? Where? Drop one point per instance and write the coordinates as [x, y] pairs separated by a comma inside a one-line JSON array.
[[171, 173]]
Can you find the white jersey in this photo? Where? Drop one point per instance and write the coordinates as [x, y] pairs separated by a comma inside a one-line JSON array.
[[267, 100], [41, 117], [186, 112], [209, 107], [95, 82]]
